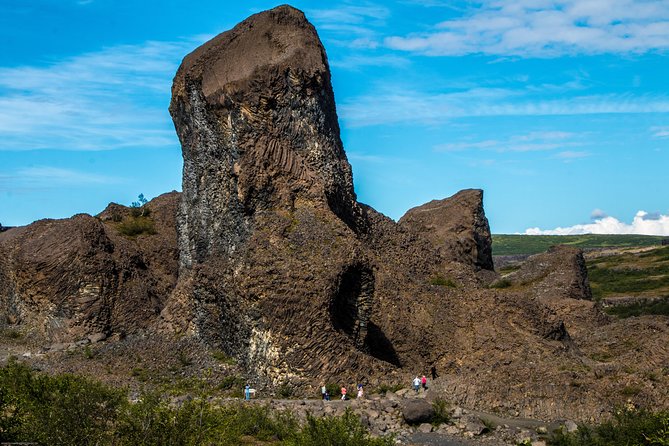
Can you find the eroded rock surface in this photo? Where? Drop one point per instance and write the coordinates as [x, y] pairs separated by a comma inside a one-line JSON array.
[[70, 278], [457, 226]]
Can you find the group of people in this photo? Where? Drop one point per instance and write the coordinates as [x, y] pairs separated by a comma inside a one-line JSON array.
[[419, 382], [325, 393]]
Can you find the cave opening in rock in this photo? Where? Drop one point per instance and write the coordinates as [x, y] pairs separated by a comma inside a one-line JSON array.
[[351, 310]]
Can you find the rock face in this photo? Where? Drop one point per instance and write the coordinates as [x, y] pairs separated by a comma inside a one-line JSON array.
[[255, 113], [457, 226], [559, 272], [69, 278]]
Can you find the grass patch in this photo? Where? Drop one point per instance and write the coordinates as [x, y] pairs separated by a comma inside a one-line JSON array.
[[659, 307], [134, 226], [507, 244], [442, 281], [385, 388], [500, 284]]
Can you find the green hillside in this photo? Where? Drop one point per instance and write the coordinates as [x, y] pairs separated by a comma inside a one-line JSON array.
[[507, 244]]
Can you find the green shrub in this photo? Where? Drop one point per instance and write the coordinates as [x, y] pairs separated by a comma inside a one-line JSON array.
[[60, 410], [134, 226], [10, 333], [285, 390], [184, 359], [223, 357], [346, 430], [501, 283], [334, 390], [628, 427], [441, 412], [442, 281], [385, 388]]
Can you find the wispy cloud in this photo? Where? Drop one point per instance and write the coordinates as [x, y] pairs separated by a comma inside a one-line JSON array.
[[529, 142], [570, 155], [643, 223], [357, 27], [47, 177], [550, 28], [408, 106], [349, 14], [96, 101], [360, 61], [660, 132]]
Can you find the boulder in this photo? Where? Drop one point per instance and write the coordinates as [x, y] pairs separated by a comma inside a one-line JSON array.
[[417, 411]]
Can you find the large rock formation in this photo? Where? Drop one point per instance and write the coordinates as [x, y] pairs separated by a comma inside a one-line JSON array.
[[271, 267]]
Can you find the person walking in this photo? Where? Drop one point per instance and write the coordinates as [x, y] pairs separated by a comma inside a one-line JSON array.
[[324, 390], [416, 384], [423, 382], [360, 391], [343, 393], [247, 392]]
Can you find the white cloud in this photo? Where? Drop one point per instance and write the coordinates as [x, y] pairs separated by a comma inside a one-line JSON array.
[[530, 28], [529, 142], [96, 101], [406, 106], [660, 132], [570, 155], [47, 177], [643, 223]]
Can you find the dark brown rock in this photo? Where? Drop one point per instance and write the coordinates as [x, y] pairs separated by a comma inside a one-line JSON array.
[[559, 272], [457, 226], [417, 410], [77, 277]]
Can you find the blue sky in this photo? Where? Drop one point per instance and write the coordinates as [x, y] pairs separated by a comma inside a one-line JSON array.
[[557, 109]]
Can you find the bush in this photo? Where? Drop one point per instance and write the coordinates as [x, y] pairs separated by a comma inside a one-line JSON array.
[[59, 410], [71, 410], [501, 283], [442, 281], [134, 226], [346, 430], [441, 412], [628, 427], [385, 388], [334, 390]]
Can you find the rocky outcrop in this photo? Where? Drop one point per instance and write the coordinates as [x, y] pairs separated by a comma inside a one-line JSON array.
[[559, 272], [457, 226], [68, 279], [272, 270]]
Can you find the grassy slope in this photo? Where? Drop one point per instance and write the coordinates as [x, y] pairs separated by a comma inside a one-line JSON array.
[[624, 273], [630, 274], [506, 244]]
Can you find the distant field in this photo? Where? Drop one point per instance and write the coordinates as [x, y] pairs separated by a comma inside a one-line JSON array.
[[505, 244]]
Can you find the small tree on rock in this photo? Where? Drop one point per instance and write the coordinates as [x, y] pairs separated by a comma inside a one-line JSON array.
[[139, 208]]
